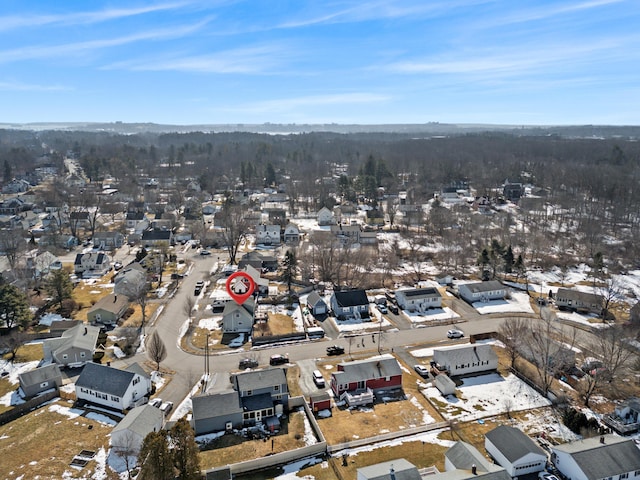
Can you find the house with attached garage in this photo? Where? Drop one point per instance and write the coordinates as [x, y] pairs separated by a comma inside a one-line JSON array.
[[514, 450], [418, 299], [75, 347], [568, 299], [140, 421], [92, 264], [367, 377], [238, 318], [40, 380], [596, 458], [113, 388], [482, 291], [466, 359], [258, 396], [108, 310], [350, 304], [463, 461]]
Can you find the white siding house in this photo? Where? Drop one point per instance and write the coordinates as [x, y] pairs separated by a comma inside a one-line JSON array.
[[482, 291], [113, 388], [466, 359], [513, 450], [418, 299]]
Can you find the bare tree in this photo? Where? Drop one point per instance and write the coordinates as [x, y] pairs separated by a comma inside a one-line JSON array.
[[126, 448], [187, 306], [13, 341], [138, 292], [513, 331], [610, 346], [13, 244], [156, 349], [234, 228]]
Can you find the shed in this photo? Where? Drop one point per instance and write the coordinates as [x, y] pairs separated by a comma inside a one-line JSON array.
[[320, 401], [445, 385]]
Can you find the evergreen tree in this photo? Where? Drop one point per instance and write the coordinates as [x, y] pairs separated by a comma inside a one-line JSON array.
[[269, 175], [185, 451], [14, 307], [155, 459], [508, 260], [290, 263], [58, 285]]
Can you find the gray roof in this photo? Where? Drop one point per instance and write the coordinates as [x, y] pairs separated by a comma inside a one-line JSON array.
[[402, 470], [488, 286], [420, 292], [247, 307], [141, 420], [314, 298], [385, 366], [463, 455], [111, 303], [100, 257], [257, 402], [81, 336], [258, 379], [513, 443], [600, 460], [351, 298], [101, 378], [215, 405], [39, 375], [585, 297], [466, 353]]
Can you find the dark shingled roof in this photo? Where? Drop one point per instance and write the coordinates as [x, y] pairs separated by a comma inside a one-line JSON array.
[[215, 405], [351, 298], [513, 443], [101, 378]]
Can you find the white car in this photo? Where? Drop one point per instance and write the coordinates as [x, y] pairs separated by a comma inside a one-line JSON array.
[[454, 333], [155, 402], [422, 370], [166, 407]]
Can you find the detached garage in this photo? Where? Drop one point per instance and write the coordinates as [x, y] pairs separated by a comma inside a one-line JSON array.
[[514, 451]]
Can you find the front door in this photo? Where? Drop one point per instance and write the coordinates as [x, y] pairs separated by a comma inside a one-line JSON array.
[[258, 415]]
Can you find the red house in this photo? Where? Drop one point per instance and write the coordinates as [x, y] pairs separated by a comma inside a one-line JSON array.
[[366, 377]]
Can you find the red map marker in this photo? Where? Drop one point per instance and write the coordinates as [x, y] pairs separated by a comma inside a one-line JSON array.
[[240, 286]]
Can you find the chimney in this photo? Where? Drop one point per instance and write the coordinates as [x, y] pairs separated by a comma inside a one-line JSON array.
[[473, 469]]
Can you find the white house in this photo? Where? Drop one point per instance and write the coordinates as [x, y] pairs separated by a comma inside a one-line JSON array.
[[291, 233], [128, 435], [466, 359], [238, 318], [513, 450], [418, 299], [325, 217], [113, 388], [92, 264], [482, 291], [267, 234], [604, 457]]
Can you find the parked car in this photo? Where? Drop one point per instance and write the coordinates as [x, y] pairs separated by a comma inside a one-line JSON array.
[[247, 363], [205, 252], [199, 287], [166, 408], [318, 379], [422, 370], [278, 360], [547, 476], [155, 402], [394, 309], [454, 333], [117, 266], [335, 350], [382, 308]]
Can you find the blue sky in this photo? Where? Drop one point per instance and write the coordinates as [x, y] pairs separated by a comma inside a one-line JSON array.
[[529, 62]]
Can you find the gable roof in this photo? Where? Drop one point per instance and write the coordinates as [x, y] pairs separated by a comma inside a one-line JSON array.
[[314, 298], [600, 460], [156, 234], [81, 336], [141, 420], [513, 443], [401, 468], [39, 375], [216, 405], [383, 366], [247, 308], [111, 303], [488, 286], [463, 455], [258, 379], [100, 257], [351, 298], [105, 379], [577, 295], [420, 292], [470, 353]]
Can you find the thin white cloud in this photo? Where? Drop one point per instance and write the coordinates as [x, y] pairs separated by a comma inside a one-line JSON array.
[[548, 11], [82, 18], [82, 48], [382, 9], [250, 60], [26, 87], [287, 104]]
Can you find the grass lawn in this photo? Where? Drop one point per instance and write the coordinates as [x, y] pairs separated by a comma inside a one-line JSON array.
[[43, 443], [279, 324], [136, 317], [232, 448]]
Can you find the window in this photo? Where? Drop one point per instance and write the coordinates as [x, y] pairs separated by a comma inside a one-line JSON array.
[[114, 398], [276, 388], [249, 393], [65, 356], [82, 354], [623, 476], [44, 384], [136, 380]]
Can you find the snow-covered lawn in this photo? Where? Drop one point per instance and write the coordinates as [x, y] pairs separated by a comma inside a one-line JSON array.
[[487, 395], [356, 325], [592, 321], [433, 314]]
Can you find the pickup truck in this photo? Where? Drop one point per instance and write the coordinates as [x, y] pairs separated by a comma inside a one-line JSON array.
[[335, 350]]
